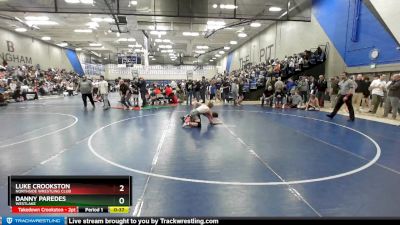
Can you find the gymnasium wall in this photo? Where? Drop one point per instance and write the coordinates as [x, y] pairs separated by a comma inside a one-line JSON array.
[[350, 27], [282, 39], [160, 72], [18, 49]]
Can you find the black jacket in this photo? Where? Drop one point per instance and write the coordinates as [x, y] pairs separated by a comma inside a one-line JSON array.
[[394, 89]]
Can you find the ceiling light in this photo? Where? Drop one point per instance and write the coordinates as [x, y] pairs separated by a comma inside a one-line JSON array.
[[105, 58], [242, 35], [211, 22], [255, 24], [215, 6], [167, 51], [153, 59], [126, 39], [97, 19], [92, 25], [158, 40], [20, 29], [211, 60], [37, 18], [46, 38], [217, 55], [87, 1], [135, 46], [233, 42], [228, 6], [221, 52], [133, 2], [108, 20], [200, 51], [227, 47], [63, 44], [95, 44], [275, 9], [214, 58], [166, 41], [193, 34], [156, 32], [83, 30], [138, 50], [165, 46], [202, 47], [78, 49], [158, 27], [80, 1], [41, 22], [214, 25]]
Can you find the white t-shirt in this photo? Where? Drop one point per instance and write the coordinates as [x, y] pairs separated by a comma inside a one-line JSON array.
[[203, 109], [103, 87], [377, 87]]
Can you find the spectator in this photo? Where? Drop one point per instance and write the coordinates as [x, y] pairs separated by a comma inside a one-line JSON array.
[[189, 91], [103, 90], [334, 90], [321, 87], [143, 90], [358, 95], [394, 97], [377, 89], [85, 87], [313, 103]]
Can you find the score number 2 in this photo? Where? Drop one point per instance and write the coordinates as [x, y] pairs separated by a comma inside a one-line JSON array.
[[121, 200]]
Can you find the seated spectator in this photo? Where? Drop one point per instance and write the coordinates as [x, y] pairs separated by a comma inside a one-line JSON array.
[[279, 99], [268, 96], [296, 101], [312, 104]]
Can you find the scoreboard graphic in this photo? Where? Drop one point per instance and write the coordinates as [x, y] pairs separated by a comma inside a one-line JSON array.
[[69, 194]]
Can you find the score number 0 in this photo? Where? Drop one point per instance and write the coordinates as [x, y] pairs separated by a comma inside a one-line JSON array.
[[121, 200]]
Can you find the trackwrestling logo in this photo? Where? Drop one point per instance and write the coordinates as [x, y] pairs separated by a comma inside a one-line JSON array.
[[33, 220]]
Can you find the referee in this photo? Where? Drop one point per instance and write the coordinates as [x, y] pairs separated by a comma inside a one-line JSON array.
[[345, 96]]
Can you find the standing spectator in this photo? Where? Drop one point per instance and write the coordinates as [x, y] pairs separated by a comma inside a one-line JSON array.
[[203, 89], [235, 91], [225, 91], [124, 93], [359, 92], [393, 96], [197, 86], [85, 87], [377, 90], [334, 90], [135, 93], [279, 85], [103, 89], [367, 93], [143, 91], [189, 91], [322, 85], [303, 88], [346, 92]]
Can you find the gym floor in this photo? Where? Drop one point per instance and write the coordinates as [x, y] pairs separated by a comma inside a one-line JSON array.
[[260, 162]]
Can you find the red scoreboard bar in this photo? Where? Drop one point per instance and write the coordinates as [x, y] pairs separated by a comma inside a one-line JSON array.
[[68, 194]]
